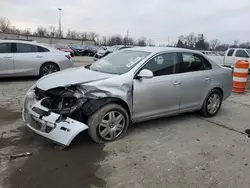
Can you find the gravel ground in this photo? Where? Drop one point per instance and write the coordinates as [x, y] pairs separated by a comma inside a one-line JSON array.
[[182, 151]]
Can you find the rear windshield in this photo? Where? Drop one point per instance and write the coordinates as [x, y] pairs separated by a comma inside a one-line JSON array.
[[248, 51]]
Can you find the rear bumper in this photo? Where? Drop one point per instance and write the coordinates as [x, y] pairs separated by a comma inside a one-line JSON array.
[[47, 124]]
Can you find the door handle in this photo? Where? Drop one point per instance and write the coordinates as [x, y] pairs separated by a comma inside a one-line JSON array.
[[39, 56], [176, 83], [208, 79], [7, 57]]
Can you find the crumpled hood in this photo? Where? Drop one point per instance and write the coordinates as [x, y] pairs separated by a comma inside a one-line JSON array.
[[70, 77]]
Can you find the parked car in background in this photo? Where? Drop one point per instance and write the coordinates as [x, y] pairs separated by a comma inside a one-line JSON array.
[[102, 52], [130, 85], [232, 55], [79, 50], [91, 50], [22, 58], [64, 48]]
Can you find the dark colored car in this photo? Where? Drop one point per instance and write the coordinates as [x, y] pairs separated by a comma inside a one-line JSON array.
[[91, 50], [79, 50]]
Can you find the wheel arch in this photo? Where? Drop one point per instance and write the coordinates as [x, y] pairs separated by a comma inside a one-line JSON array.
[[220, 90], [47, 62], [94, 104]]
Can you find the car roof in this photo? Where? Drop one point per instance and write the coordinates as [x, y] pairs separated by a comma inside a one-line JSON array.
[[28, 42], [161, 49]]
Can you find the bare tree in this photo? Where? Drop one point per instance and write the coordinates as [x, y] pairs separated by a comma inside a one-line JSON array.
[[191, 39], [41, 31], [26, 32], [5, 25], [52, 31], [115, 40], [142, 41], [214, 43], [83, 35], [72, 34], [93, 36], [104, 41], [14, 30]]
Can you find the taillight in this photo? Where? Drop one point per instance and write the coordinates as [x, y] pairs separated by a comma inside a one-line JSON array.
[[68, 57]]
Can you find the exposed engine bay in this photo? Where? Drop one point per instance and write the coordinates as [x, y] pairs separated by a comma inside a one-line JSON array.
[[75, 102]]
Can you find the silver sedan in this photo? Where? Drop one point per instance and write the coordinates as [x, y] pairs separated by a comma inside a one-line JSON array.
[[23, 58], [127, 86]]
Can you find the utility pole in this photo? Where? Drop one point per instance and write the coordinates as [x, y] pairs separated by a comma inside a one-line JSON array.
[[127, 37], [168, 40], [60, 24]]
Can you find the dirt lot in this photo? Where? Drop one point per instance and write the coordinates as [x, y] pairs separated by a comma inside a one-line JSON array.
[[182, 151]]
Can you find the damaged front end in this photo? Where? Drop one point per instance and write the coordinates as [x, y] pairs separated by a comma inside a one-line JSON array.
[[58, 114]]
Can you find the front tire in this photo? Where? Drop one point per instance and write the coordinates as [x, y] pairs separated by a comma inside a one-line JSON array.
[[212, 103], [109, 123]]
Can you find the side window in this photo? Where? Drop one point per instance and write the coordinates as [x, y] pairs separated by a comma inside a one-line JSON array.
[[163, 64], [26, 48], [230, 52], [5, 47], [42, 49], [241, 53], [193, 62]]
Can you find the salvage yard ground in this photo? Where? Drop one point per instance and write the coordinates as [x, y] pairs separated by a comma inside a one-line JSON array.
[[183, 151]]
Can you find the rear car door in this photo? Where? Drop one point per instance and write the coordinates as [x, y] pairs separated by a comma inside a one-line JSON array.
[[195, 73], [6, 60], [27, 59], [159, 95]]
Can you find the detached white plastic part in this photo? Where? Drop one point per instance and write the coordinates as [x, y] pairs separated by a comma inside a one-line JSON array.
[[62, 132]]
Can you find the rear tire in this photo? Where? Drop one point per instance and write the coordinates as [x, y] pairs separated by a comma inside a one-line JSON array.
[[48, 68], [109, 123], [212, 103]]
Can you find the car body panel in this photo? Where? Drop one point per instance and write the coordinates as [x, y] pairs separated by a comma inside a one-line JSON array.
[[7, 64], [28, 63], [146, 106], [62, 132], [146, 98]]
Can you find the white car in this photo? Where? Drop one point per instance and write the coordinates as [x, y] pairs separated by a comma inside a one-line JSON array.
[[233, 55], [23, 58]]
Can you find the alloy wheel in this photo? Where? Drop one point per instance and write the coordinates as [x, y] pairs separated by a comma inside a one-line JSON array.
[[213, 103], [111, 125]]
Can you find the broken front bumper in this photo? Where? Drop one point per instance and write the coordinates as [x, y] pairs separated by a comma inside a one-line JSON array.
[[44, 122]]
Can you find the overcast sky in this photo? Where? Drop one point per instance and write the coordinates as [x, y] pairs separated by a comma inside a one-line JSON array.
[[156, 19]]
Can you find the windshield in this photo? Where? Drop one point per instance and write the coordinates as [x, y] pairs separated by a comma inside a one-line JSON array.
[[248, 51], [119, 62]]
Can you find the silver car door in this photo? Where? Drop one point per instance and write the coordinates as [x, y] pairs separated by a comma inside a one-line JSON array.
[[195, 73], [27, 59], [157, 96], [6, 60]]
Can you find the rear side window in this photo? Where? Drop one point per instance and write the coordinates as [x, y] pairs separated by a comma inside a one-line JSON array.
[[192, 62], [26, 48], [241, 53], [230, 52], [5, 47], [42, 49]]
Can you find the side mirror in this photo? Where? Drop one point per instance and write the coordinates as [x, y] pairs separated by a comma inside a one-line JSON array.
[[145, 73]]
